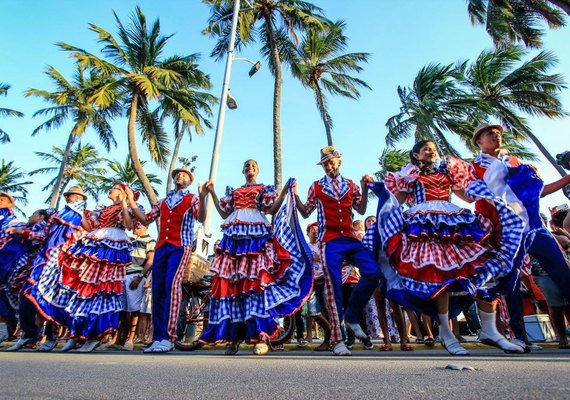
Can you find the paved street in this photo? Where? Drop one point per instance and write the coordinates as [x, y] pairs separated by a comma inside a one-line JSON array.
[[285, 375]]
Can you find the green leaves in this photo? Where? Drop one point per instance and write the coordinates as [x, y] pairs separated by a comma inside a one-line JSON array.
[[6, 112], [451, 100], [509, 22]]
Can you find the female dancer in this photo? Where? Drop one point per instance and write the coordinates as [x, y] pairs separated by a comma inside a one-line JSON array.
[[438, 248], [16, 261], [94, 268], [254, 275]]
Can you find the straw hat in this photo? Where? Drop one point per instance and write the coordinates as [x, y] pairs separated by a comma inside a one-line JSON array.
[[9, 197], [183, 169], [76, 190], [328, 153], [482, 128]]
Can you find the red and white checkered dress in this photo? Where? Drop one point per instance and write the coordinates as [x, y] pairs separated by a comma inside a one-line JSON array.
[[94, 268], [438, 243]]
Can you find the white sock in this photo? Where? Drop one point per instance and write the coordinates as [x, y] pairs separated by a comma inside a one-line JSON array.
[[489, 324], [444, 327]]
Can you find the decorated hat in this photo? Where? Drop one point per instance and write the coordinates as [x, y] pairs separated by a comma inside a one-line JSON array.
[[185, 170], [482, 128], [76, 190], [9, 197], [328, 153]]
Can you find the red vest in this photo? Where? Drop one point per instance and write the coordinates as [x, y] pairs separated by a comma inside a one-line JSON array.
[[337, 214], [171, 221]]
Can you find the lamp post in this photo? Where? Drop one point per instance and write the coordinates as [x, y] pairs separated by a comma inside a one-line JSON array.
[[223, 103]]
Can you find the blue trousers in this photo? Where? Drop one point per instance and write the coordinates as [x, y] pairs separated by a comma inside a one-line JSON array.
[[352, 250], [546, 251], [167, 268]]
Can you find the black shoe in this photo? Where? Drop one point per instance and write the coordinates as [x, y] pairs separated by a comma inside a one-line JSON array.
[[349, 342], [368, 344]]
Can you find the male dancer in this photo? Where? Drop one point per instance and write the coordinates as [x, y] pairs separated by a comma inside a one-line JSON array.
[[177, 213], [520, 183], [334, 197]]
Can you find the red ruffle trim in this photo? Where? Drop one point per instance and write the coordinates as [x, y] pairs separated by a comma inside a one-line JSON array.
[[429, 272], [89, 276]]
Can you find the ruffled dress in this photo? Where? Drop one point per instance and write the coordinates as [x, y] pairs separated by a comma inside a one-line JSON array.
[[436, 246], [94, 268], [44, 287], [258, 275], [16, 268]]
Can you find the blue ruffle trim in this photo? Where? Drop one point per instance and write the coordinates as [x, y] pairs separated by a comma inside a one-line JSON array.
[[246, 230], [104, 250], [441, 227], [242, 246], [94, 316]]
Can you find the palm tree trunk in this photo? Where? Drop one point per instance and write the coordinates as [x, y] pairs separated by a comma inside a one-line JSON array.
[[323, 108], [63, 187], [134, 154], [545, 152], [54, 201], [277, 161], [179, 137]]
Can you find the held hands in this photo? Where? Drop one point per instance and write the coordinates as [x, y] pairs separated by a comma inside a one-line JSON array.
[[14, 231], [207, 187], [366, 180], [294, 186], [129, 195]]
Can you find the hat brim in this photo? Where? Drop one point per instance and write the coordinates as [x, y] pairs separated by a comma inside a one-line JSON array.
[[182, 170], [326, 158], [9, 197], [77, 193], [479, 131]]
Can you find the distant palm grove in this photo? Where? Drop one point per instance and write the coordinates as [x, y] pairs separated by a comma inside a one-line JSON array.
[[167, 97]]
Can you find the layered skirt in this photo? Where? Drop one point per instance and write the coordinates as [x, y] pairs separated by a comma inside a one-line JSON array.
[[94, 270], [436, 246], [259, 275], [44, 287]]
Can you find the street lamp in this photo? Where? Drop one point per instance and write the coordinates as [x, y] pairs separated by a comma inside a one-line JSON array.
[[226, 99]]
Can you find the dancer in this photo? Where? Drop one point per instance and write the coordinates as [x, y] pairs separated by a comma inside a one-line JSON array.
[[334, 197], [15, 263], [177, 213], [43, 294], [94, 268], [521, 186], [437, 248], [257, 274]]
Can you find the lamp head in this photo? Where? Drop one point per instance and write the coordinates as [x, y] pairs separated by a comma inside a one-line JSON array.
[[254, 68], [231, 102]]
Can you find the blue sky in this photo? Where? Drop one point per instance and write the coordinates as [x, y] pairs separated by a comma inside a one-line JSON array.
[[402, 36]]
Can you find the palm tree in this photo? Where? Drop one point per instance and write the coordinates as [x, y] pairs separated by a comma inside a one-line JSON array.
[[12, 182], [6, 112], [512, 21], [505, 88], [83, 165], [195, 103], [321, 64], [140, 72], [125, 172], [273, 23], [72, 101], [433, 107], [391, 160]]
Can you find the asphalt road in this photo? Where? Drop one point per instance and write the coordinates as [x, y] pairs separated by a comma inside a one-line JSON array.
[[286, 375]]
